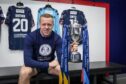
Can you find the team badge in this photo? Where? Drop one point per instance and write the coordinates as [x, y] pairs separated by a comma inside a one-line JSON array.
[[45, 50]]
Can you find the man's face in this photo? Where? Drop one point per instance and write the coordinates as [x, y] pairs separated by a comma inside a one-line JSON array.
[[46, 25]]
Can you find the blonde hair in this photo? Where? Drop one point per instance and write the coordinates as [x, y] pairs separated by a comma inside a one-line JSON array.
[[46, 15]]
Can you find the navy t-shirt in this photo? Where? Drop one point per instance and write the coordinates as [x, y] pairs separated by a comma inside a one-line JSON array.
[[39, 50]]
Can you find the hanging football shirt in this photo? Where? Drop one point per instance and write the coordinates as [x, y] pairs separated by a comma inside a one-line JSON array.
[[49, 10], [1, 19], [20, 21], [1, 16]]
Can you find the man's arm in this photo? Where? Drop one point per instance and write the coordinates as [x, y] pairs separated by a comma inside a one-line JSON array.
[[59, 49], [56, 70]]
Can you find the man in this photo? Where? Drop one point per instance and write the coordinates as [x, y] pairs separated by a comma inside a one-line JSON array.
[[39, 48]]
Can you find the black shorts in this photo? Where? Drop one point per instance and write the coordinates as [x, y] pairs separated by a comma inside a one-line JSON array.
[[42, 70]]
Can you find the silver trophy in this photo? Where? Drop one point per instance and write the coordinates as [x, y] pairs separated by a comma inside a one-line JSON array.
[[75, 34]]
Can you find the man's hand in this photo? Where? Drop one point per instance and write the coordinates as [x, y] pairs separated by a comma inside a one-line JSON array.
[[55, 71], [54, 68], [53, 64]]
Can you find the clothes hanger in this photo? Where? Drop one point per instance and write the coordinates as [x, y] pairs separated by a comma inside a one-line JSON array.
[[20, 4], [74, 8], [48, 6]]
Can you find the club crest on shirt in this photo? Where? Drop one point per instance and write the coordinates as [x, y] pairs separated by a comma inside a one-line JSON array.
[[45, 50]]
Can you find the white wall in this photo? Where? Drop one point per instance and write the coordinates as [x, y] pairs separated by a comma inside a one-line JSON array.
[[96, 26]]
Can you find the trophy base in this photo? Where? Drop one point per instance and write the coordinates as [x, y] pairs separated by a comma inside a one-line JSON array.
[[75, 57]]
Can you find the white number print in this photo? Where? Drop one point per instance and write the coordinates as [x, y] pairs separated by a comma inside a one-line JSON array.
[[21, 23]]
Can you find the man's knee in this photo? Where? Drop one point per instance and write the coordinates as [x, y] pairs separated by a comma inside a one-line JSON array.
[[26, 72]]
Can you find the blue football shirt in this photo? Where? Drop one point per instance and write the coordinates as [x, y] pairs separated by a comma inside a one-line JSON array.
[[54, 13]]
